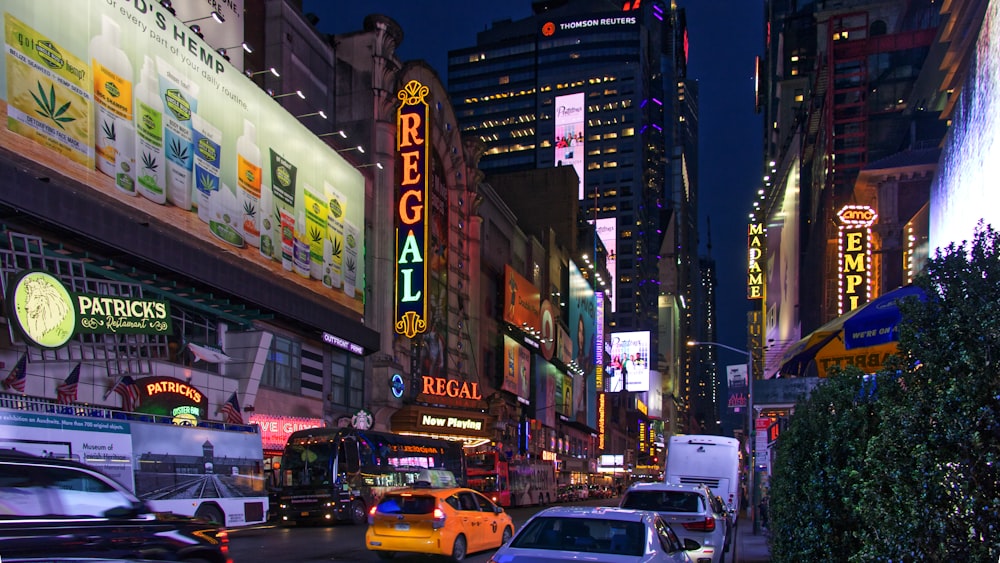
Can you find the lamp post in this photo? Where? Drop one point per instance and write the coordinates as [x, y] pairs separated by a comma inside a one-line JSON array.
[[750, 424]]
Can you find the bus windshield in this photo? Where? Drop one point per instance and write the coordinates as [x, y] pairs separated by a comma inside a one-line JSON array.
[[308, 464]]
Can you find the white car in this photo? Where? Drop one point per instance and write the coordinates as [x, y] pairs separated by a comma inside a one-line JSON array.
[[688, 509], [597, 533]]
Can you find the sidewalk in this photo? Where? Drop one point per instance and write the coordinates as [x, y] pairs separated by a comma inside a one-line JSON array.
[[750, 548]]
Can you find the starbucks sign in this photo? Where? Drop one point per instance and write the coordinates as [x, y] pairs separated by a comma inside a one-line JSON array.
[[48, 315]]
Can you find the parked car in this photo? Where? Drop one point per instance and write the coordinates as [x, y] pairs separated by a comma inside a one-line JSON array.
[[690, 511], [450, 521], [60, 509], [600, 533]]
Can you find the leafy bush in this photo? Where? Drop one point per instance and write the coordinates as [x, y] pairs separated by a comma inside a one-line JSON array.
[[904, 466]]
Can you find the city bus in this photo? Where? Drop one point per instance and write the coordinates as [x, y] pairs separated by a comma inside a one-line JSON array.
[[708, 460], [511, 483], [337, 474]]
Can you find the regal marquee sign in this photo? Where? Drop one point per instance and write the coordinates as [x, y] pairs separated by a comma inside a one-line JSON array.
[[412, 209], [854, 256]]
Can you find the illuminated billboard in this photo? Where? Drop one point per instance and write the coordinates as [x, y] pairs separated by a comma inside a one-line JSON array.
[[629, 362], [581, 321], [964, 189], [607, 231], [521, 302], [126, 99], [411, 210], [516, 369], [570, 113]]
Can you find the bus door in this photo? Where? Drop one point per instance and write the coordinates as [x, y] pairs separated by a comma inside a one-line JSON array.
[[347, 466]]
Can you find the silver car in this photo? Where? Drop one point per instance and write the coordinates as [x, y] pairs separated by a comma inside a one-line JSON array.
[[689, 511], [595, 533]]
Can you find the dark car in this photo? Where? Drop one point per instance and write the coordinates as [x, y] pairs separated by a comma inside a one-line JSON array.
[[56, 509]]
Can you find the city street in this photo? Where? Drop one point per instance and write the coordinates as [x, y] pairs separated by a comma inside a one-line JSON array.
[[344, 542]]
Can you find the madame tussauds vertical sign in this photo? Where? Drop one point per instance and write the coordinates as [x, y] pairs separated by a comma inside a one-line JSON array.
[[411, 209]]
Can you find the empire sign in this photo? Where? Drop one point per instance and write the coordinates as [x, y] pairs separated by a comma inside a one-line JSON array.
[[854, 256], [411, 210]]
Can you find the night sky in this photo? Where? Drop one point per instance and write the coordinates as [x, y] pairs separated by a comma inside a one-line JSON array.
[[725, 36]]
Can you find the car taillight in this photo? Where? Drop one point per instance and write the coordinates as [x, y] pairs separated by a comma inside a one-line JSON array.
[[438, 519], [371, 515], [706, 525]]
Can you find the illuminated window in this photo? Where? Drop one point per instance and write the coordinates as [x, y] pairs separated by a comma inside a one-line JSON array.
[[795, 71], [613, 135], [799, 95], [505, 79], [628, 132]]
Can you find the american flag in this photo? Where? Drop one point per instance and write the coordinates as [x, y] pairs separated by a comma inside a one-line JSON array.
[[17, 376], [231, 409], [67, 389], [128, 389]]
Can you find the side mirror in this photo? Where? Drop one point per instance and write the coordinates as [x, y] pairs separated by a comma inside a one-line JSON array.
[[497, 509]]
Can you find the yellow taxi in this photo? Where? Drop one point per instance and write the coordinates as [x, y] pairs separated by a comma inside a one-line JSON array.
[[437, 518]]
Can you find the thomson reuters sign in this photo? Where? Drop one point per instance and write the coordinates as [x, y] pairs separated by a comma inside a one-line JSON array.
[[550, 28]]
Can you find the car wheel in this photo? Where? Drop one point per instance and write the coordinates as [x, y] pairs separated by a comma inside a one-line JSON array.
[[385, 555], [359, 515], [458, 550], [210, 513], [507, 533]]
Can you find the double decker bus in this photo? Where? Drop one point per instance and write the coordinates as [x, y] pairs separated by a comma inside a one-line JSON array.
[[511, 483], [337, 474]]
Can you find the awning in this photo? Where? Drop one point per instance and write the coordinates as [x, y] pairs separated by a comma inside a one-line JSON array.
[[208, 354], [864, 337], [876, 322]]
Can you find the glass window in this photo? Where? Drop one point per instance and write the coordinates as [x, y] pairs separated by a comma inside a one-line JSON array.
[[398, 504], [467, 501], [347, 385], [82, 494], [283, 367]]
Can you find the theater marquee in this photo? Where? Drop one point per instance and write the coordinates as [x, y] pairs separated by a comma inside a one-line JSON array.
[[411, 210]]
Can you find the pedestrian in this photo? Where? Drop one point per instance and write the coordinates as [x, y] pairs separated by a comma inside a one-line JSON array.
[[762, 507]]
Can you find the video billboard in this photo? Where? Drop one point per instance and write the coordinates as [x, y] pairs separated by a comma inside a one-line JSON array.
[[127, 99], [607, 231], [570, 114], [581, 321], [629, 362]]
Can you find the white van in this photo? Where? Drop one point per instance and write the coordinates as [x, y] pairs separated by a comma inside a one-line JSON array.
[[707, 460]]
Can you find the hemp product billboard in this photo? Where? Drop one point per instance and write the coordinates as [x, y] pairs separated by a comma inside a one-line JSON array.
[[127, 99]]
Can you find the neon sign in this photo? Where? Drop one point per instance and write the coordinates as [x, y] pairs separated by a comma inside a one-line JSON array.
[[443, 387], [411, 210], [755, 275], [854, 256]]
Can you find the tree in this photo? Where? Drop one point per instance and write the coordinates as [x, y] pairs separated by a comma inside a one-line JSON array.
[[905, 466]]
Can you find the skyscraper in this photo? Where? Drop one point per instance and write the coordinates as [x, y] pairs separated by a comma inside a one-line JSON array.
[[596, 85]]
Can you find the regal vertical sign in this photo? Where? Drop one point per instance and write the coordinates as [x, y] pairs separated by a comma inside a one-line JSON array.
[[411, 209]]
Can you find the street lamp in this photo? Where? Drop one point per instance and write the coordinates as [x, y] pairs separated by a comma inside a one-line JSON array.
[[750, 422]]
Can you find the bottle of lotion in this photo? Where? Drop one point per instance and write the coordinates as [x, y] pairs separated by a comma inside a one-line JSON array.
[[112, 96], [300, 250], [248, 168], [151, 173]]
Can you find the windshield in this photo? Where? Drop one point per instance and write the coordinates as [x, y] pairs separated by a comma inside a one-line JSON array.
[[591, 535], [485, 461], [663, 501], [308, 464]]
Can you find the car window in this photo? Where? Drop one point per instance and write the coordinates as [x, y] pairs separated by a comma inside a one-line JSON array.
[[82, 494], [21, 494], [591, 535], [467, 501], [452, 501], [664, 501], [409, 504], [484, 503]]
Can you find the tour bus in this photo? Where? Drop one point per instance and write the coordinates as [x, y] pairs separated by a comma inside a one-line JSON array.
[[337, 474], [706, 459], [511, 483], [193, 468]]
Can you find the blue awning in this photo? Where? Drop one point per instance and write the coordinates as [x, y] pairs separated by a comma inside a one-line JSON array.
[[876, 322]]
